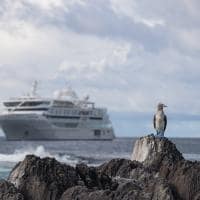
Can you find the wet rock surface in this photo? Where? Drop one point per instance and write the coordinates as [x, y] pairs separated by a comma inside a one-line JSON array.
[[156, 171]]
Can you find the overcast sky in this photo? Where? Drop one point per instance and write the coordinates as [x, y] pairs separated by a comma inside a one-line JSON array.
[[127, 54]]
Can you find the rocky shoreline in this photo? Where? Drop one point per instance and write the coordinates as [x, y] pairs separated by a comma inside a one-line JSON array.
[[157, 171]]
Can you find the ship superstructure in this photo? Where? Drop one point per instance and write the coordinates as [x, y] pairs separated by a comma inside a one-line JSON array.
[[62, 118]]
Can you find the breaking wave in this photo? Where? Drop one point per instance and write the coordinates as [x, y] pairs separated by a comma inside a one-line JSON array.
[[191, 156], [19, 155]]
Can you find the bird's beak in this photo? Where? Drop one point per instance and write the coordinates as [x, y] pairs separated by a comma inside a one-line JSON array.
[[164, 106]]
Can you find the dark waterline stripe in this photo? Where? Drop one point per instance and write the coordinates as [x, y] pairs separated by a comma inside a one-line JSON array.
[[63, 117], [30, 109], [71, 117], [96, 118]]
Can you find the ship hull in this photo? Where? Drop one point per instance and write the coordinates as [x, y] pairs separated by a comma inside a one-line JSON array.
[[36, 127]]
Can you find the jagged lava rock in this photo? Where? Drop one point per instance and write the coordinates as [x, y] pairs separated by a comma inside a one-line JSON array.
[[42, 179], [157, 171], [9, 192], [185, 178], [83, 193], [128, 169], [151, 150], [127, 189], [161, 155], [93, 178], [130, 180], [136, 181]]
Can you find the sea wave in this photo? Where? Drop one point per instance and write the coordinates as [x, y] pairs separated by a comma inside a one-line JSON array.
[[20, 154], [71, 159], [4, 169], [191, 156]]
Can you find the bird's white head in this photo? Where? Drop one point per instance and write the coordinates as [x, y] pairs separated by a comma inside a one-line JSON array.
[[161, 106]]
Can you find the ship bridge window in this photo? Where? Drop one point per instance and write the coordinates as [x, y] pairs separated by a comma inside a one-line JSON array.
[[35, 103], [67, 104], [66, 125], [84, 112], [11, 104]]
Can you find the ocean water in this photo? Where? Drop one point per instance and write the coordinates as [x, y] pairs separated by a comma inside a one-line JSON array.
[[90, 152]]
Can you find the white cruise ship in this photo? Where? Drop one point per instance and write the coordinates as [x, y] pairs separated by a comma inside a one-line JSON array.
[[62, 118]]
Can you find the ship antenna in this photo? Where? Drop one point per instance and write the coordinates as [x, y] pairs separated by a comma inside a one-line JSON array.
[[34, 89]]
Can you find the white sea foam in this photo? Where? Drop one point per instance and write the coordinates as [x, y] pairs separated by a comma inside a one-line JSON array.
[[4, 169], [19, 155], [91, 159], [192, 156]]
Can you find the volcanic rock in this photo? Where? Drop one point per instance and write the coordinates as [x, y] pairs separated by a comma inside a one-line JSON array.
[[127, 190], [127, 169], [9, 192], [161, 154], [155, 151], [157, 171], [128, 180], [42, 179], [92, 178]]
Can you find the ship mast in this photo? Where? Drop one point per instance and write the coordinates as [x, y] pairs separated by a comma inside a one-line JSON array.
[[34, 89]]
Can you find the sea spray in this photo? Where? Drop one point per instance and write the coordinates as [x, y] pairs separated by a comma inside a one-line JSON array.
[[40, 151]]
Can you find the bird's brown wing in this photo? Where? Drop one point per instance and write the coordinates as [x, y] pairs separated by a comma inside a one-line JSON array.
[[165, 120], [154, 121]]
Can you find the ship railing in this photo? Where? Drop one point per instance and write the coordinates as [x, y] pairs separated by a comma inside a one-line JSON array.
[[19, 105]]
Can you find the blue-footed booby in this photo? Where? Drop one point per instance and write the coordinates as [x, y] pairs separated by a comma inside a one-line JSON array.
[[160, 120]]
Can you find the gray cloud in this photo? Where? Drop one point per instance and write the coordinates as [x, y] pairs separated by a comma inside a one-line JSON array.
[[127, 54], [94, 18]]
